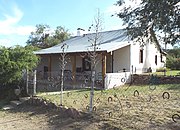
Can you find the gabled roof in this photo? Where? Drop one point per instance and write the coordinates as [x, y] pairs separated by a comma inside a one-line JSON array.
[[108, 41]]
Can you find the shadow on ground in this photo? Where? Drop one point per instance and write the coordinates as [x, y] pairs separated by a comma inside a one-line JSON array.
[[174, 87], [60, 121]]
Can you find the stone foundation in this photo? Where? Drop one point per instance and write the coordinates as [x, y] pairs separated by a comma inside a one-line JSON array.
[[149, 79]]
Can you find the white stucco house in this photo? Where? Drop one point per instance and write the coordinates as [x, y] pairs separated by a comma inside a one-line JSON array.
[[116, 53]]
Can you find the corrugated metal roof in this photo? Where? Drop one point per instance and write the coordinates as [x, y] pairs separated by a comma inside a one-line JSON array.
[[108, 41]]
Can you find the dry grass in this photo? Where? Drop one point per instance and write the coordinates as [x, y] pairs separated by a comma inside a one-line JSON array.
[[129, 107]]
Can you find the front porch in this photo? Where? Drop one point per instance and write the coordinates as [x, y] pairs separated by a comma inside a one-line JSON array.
[[77, 72]]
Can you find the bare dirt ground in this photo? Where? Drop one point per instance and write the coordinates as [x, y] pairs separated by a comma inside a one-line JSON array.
[[28, 117], [38, 118]]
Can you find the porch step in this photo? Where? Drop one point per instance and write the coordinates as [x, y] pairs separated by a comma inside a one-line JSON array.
[[15, 103], [8, 107]]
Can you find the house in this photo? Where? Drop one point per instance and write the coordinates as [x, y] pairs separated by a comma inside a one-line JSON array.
[[117, 55]]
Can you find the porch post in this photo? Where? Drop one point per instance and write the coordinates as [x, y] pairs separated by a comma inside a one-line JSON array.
[[74, 69], [49, 66], [103, 67]]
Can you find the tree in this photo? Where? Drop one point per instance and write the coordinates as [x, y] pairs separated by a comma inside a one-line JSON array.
[[44, 36], [63, 61], [173, 59], [152, 17], [95, 41], [13, 61], [61, 34]]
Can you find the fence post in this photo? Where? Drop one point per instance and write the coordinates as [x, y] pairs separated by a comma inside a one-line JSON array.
[[27, 82], [132, 69], [34, 82]]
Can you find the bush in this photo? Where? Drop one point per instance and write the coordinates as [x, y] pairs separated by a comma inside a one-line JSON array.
[[13, 61], [173, 63], [162, 70], [7, 91]]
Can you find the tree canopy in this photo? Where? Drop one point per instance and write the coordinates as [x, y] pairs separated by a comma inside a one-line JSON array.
[[173, 59], [44, 36], [13, 61], [161, 17]]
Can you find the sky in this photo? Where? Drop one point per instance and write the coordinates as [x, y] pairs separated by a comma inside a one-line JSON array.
[[19, 17]]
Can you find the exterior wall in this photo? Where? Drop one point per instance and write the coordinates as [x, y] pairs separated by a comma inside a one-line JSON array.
[[121, 59], [43, 62], [40, 67], [117, 79], [55, 64], [78, 61], [150, 50]]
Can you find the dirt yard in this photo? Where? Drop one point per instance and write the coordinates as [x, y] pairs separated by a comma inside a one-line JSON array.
[[123, 108], [38, 118]]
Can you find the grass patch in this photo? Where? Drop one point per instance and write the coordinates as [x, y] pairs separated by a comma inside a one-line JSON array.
[[127, 107], [169, 73]]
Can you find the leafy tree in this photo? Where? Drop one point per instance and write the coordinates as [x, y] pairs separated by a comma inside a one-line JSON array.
[[173, 59], [152, 17], [44, 36], [13, 61], [61, 34], [39, 37], [174, 52]]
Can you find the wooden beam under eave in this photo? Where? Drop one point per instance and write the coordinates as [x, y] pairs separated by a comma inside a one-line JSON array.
[[74, 69], [103, 67], [49, 65]]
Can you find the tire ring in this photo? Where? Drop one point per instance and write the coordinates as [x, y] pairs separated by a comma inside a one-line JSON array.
[[85, 95], [175, 115], [123, 80], [149, 98], [110, 114], [98, 100], [94, 108], [128, 104], [166, 93], [115, 95], [110, 99], [151, 87], [68, 94], [74, 102], [87, 107], [136, 91]]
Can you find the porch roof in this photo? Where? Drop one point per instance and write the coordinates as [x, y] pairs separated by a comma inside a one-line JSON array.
[[107, 41]]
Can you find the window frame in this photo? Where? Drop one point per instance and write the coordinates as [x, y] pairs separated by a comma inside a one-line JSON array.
[[86, 63], [141, 56]]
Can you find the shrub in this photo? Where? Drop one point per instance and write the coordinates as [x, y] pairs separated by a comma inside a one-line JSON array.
[[173, 63], [162, 69]]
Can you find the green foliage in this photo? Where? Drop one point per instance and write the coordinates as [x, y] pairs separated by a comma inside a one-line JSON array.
[[160, 15], [44, 37], [173, 59], [13, 61], [174, 52], [173, 63], [162, 70]]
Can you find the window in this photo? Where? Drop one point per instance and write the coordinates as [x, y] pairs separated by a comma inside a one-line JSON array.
[[141, 56], [161, 58], [86, 64], [45, 72], [156, 59]]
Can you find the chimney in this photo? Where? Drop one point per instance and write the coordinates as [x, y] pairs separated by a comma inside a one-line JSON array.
[[79, 31]]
